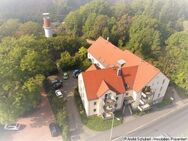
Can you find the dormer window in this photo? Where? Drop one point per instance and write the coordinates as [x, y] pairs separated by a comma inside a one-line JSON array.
[[126, 86], [107, 95]]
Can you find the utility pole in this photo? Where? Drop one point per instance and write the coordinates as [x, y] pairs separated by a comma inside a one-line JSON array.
[[111, 131]]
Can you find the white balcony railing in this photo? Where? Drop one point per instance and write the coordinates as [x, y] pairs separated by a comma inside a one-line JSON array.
[[144, 107], [144, 95], [142, 102]]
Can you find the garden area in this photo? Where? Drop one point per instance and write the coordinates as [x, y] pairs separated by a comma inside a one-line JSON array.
[[95, 122]]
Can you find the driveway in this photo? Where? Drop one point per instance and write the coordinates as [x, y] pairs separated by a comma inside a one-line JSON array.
[[78, 131], [36, 125]]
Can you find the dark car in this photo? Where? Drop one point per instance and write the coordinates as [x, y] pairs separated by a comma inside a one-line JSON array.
[[56, 81], [54, 129], [76, 72], [56, 84]]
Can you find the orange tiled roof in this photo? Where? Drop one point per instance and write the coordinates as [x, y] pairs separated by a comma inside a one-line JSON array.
[[92, 67], [108, 55], [102, 89], [97, 82]]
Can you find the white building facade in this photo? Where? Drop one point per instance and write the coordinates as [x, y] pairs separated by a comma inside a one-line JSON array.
[[151, 92]]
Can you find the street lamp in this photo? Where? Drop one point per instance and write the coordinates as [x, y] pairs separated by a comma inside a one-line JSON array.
[[112, 126]]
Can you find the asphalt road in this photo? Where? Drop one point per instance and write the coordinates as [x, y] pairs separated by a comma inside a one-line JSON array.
[[174, 125]]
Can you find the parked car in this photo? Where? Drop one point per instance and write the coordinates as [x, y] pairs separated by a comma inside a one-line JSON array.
[[59, 93], [56, 81], [56, 84], [65, 75], [12, 127], [76, 72], [54, 129]]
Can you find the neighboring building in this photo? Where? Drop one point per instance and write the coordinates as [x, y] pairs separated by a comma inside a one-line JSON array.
[[119, 78], [47, 25]]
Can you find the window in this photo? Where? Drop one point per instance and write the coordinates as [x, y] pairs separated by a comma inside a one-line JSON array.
[[159, 95], [126, 94], [161, 88], [106, 95], [95, 103], [94, 110], [117, 98], [115, 105], [163, 81]]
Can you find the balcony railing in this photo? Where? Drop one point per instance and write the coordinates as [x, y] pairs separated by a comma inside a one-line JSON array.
[[147, 91], [109, 101], [109, 108], [144, 107], [142, 102], [107, 115]]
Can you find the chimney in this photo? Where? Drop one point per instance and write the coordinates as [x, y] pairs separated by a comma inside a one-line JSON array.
[[120, 63], [107, 38], [47, 25]]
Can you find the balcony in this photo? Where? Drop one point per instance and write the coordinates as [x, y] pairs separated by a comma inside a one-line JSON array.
[[142, 102], [144, 95], [147, 92], [128, 100], [107, 115], [109, 108], [144, 107], [110, 101]]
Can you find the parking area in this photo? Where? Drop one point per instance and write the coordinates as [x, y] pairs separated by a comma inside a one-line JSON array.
[[78, 132], [36, 125]]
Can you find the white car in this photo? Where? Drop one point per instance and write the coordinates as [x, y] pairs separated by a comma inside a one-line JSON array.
[[12, 127], [59, 93]]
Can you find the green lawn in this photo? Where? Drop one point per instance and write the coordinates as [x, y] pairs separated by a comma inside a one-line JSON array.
[[165, 102], [94, 122], [99, 124]]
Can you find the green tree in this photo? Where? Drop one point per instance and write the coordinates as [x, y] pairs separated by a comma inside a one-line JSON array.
[[34, 62], [89, 25], [173, 61], [81, 60], [145, 37], [17, 86], [66, 61], [100, 26], [29, 28], [9, 28]]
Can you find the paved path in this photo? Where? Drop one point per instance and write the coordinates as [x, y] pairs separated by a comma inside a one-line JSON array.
[[174, 125], [36, 125], [137, 123], [77, 130]]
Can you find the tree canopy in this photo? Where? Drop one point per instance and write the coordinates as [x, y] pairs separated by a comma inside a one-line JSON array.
[[174, 59]]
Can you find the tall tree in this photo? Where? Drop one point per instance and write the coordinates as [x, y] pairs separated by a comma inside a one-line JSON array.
[[173, 61], [145, 37]]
